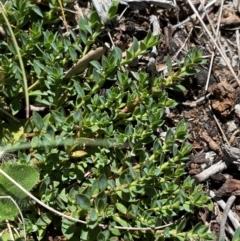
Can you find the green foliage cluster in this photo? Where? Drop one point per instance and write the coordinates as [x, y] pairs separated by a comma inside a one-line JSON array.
[[125, 187]]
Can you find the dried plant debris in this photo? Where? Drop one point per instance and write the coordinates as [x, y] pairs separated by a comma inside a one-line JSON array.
[[230, 187], [103, 6], [230, 18], [225, 97]]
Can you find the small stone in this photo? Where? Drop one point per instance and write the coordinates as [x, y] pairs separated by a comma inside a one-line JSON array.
[[237, 110], [235, 61], [231, 126]]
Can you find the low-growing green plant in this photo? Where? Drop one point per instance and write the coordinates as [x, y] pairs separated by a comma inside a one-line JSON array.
[[102, 148]]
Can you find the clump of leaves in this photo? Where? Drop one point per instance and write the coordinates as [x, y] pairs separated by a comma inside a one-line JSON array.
[[188, 68], [131, 185]]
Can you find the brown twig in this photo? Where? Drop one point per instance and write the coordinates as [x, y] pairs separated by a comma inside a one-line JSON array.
[[83, 63], [224, 217]]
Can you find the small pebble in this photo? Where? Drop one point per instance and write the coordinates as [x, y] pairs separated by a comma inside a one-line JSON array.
[[237, 110], [210, 156], [235, 60], [231, 126], [163, 134]]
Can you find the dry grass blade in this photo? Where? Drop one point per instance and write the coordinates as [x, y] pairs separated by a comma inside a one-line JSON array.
[[83, 63], [214, 42], [63, 15], [216, 34]]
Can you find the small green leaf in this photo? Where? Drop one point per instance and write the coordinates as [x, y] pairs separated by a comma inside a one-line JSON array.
[[73, 53], [117, 53], [37, 69], [38, 121], [185, 149], [83, 36], [121, 208], [83, 201], [96, 64], [196, 228], [96, 75], [133, 49], [102, 182], [129, 55], [113, 10], [89, 29], [93, 215], [37, 10], [186, 207], [44, 219], [101, 237], [58, 117], [100, 205], [181, 225], [187, 60], [143, 46], [169, 136], [175, 149], [116, 232], [120, 221], [95, 187], [132, 172], [79, 89]]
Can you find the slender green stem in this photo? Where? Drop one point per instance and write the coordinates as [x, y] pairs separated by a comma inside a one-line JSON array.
[[68, 141], [63, 15], [25, 86], [33, 86]]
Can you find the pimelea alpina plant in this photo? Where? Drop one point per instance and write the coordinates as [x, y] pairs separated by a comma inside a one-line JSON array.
[[95, 155]]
